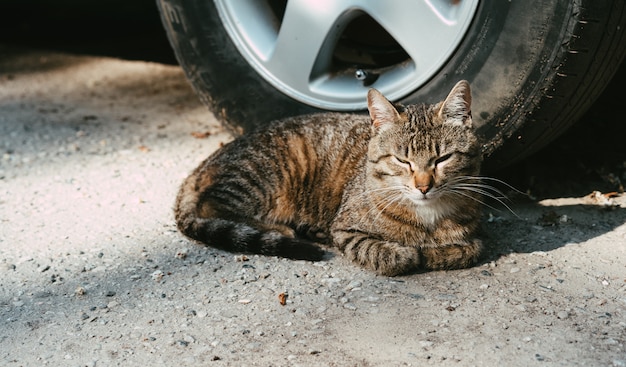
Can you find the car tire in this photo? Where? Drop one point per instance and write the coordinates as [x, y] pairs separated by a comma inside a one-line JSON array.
[[535, 66]]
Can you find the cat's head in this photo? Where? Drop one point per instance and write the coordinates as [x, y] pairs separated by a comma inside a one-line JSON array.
[[425, 151]]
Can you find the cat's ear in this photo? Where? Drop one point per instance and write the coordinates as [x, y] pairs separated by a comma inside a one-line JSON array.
[[382, 112], [456, 108]]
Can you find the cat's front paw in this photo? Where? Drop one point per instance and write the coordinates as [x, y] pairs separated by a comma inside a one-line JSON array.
[[386, 258], [453, 256]]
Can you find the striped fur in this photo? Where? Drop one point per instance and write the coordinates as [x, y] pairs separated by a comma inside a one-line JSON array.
[[394, 191]]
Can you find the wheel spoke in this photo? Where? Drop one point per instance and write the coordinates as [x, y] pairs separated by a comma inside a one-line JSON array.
[[425, 29], [301, 45]]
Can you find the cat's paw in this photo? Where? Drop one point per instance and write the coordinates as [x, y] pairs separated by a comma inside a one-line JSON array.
[[453, 256], [293, 248], [385, 258], [314, 234]]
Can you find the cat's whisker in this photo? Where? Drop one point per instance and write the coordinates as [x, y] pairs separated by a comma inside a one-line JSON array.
[[476, 199], [391, 189], [460, 187], [394, 191], [510, 187], [488, 190], [387, 202], [491, 191], [492, 179], [485, 191]]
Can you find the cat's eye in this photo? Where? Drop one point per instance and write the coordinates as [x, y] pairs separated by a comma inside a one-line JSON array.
[[402, 160], [443, 159]]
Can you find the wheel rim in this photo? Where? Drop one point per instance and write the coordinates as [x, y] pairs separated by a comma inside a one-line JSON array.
[[328, 53]]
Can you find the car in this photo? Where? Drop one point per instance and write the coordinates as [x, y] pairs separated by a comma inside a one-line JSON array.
[[535, 66]]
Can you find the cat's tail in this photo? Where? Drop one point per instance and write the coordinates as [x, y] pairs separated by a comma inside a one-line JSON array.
[[235, 236], [240, 237]]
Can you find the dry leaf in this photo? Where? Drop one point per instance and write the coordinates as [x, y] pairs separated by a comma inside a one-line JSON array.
[[200, 135], [605, 200], [282, 298]]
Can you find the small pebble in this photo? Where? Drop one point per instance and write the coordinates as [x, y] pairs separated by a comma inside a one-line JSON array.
[[182, 253], [112, 304], [240, 258], [202, 314], [353, 284], [157, 275]]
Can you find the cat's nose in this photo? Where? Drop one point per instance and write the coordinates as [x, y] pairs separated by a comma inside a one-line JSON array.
[[423, 189], [423, 182]]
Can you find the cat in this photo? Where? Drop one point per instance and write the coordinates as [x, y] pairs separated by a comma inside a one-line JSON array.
[[396, 192]]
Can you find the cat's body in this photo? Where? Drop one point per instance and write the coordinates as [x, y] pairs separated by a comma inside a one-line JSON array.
[[394, 191]]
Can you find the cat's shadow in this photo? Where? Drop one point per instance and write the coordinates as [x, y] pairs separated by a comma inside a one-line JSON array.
[[543, 228]]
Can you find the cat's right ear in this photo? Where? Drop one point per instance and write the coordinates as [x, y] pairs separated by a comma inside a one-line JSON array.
[[382, 112]]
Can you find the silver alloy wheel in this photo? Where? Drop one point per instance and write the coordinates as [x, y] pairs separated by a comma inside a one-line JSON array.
[[294, 51]]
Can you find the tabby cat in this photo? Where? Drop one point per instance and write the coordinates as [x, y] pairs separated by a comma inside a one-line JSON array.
[[395, 192]]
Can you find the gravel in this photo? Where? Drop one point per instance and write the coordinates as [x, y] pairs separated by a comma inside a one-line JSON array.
[[95, 273]]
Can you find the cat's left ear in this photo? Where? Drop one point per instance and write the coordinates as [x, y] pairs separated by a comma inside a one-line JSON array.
[[382, 112], [456, 108]]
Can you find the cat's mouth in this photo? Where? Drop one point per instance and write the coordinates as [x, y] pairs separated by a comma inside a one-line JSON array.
[[421, 198]]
